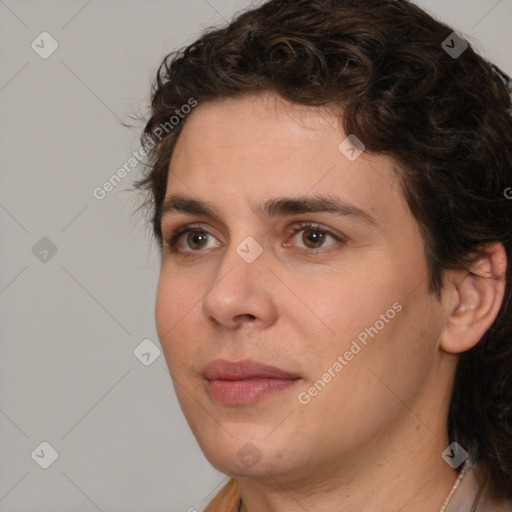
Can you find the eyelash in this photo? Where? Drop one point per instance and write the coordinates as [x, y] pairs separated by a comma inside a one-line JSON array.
[[172, 240]]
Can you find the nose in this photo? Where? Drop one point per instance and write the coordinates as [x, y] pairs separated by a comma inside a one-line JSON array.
[[240, 294]]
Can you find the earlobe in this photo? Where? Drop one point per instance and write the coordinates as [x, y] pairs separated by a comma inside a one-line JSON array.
[[473, 299]]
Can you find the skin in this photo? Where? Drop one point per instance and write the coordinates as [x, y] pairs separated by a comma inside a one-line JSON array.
[[372, 438]]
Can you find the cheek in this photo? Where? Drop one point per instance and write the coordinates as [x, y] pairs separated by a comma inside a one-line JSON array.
[[378, 377], [354, 298], [175, 305], [379, 314]]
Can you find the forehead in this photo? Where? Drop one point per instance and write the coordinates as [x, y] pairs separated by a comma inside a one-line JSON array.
[[256, 121], [249, 149]]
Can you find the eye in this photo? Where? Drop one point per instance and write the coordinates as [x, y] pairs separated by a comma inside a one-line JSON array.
[[194, 237], [314, 237]]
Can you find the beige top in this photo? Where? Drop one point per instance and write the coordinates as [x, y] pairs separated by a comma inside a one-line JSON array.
[[468, 497], [471, 496], [227, 500]]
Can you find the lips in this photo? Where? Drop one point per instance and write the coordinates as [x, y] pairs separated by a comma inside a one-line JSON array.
[[226, 370], [245, 382]]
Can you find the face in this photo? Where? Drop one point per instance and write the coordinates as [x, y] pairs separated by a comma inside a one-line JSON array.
[[334, 295]]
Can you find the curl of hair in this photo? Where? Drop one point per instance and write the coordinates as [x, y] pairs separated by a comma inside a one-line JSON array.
[[446, 122]]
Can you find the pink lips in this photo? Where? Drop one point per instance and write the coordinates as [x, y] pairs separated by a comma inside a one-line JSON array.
[[244, 382]]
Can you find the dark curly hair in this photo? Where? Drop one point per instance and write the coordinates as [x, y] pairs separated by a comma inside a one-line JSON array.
[[445, 120]]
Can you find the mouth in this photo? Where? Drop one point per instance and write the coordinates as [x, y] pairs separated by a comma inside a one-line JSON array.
[[245, 382]]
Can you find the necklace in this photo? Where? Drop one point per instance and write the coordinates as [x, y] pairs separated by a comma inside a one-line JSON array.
[[464, 471]]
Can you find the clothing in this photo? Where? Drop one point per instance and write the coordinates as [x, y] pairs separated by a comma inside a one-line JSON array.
[[468, 497], [227, 500], [472, 497]]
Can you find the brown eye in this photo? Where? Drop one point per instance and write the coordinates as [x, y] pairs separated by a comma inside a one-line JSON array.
[[313, 238], [196, 239], [189, 239]]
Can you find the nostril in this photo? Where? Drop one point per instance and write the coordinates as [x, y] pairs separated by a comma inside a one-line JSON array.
[[247, 315], [214, 321]]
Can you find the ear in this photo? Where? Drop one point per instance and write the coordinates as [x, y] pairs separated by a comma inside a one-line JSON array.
[[473, 298]]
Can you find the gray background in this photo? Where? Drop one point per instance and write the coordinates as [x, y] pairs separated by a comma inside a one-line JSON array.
[[70, 321]]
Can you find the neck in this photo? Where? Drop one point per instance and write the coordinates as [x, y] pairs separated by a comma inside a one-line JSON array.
[[406, 473]]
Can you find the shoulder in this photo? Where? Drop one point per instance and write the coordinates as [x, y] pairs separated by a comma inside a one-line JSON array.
[[486, 503], [474, 494], [227, 500]]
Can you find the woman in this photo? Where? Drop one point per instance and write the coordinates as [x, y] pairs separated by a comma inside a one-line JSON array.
[[334, 304]]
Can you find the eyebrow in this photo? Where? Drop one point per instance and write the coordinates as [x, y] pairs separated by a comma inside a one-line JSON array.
[[275, 207]]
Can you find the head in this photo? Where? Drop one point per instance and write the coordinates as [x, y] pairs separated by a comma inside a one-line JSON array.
[[413, 279]]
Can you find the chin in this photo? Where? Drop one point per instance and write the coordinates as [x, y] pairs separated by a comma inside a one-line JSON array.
[[239, 456]]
